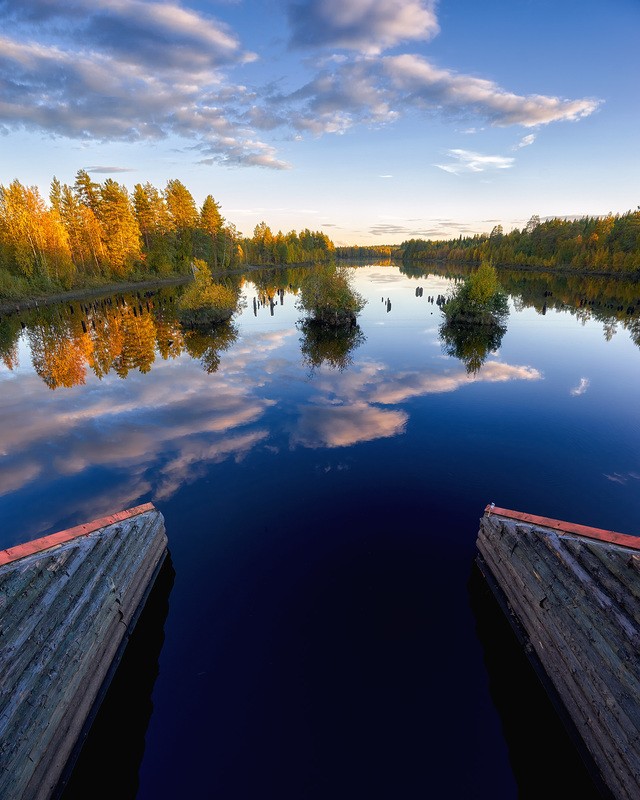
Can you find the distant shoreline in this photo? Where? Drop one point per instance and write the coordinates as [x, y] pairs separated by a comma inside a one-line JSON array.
[[582, 272]]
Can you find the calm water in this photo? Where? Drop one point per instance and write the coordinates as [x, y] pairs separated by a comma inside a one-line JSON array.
[[320, 630]]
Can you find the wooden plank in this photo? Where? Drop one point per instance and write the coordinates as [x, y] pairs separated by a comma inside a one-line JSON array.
[[574, 591], [622, 539], [60, 537], [76, 596]]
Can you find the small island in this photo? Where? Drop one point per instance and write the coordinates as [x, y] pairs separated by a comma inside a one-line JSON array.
[[204, 302], [475, 316], [328, 298]]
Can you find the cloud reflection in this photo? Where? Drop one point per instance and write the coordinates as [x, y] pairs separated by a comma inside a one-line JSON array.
[[153, 433], [149, 434], [345, 409], [341, 426]]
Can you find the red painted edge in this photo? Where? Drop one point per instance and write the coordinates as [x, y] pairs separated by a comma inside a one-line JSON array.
[[567, 527], [61, 537]]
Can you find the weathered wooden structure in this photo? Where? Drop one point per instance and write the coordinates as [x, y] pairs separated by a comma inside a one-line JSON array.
[[572, 594], [68, 604]]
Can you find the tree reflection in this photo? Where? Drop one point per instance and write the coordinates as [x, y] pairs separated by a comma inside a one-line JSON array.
[[138, 342], [117, 334], [471, 343], [10, 329], [332, 345], [475, 315], [60, 360], [206, 345]]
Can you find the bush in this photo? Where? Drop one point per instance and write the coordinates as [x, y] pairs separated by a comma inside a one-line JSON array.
[[205, 302], [479, 300], [13, 286], [327, 296]]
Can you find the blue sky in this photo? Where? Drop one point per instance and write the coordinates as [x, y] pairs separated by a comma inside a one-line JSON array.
[[373, 120]]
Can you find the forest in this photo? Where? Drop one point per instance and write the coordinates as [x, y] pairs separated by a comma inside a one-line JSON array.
[[383, 251], [90, 234], [608, 244]]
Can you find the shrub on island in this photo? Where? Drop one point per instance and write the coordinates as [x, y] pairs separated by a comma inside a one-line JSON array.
[[328, 298], [478, 301], [205, 302]]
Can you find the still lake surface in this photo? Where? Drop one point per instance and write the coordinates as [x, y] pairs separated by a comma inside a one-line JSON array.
[[321, 630]]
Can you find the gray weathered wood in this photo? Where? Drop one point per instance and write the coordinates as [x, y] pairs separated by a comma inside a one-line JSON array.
[[66, 612], [577, 601]]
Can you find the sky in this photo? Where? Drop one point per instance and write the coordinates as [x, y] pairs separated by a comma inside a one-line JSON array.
[[375, 121]]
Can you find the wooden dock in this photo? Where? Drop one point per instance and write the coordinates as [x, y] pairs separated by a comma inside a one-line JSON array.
[[572, 594], [68, 604]]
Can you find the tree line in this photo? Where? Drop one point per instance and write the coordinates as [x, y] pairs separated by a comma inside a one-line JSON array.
[[90, 233], [379, 251], [266, 248], [599, 244]]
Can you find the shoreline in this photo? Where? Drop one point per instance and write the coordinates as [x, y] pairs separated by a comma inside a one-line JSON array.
[[36, 301], [15, 305], [581, 272]]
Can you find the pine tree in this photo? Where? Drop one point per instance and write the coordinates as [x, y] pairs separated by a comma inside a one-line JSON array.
[[121, 230]]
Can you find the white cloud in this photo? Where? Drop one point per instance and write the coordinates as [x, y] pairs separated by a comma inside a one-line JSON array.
[[526, 141], [368, 26], [424, 84], [145, 70], [468, 161], [581, 388], [378, 91]]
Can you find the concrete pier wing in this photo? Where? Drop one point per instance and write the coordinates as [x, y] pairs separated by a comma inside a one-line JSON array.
[[68, 604], [572, 594]]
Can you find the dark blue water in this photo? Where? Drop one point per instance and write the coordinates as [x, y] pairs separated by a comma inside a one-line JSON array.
[[324, 632]]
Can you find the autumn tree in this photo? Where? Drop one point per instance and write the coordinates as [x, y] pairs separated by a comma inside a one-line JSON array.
[[120, 226], [211, 229], [184, 217], [85, 233], [55, 195], [87, 191], [156, 228], [35, 242]]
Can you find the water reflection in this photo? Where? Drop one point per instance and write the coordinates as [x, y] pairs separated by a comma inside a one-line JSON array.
[[518, 695], [206, 345], [471, 343], [144, 437], [343, 425], [614, 302], [128, 332], [10, 327], [147, 437], [122, 333], [345, 409], [332, 346], [216, 449], [129, 698], [119, 334]]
